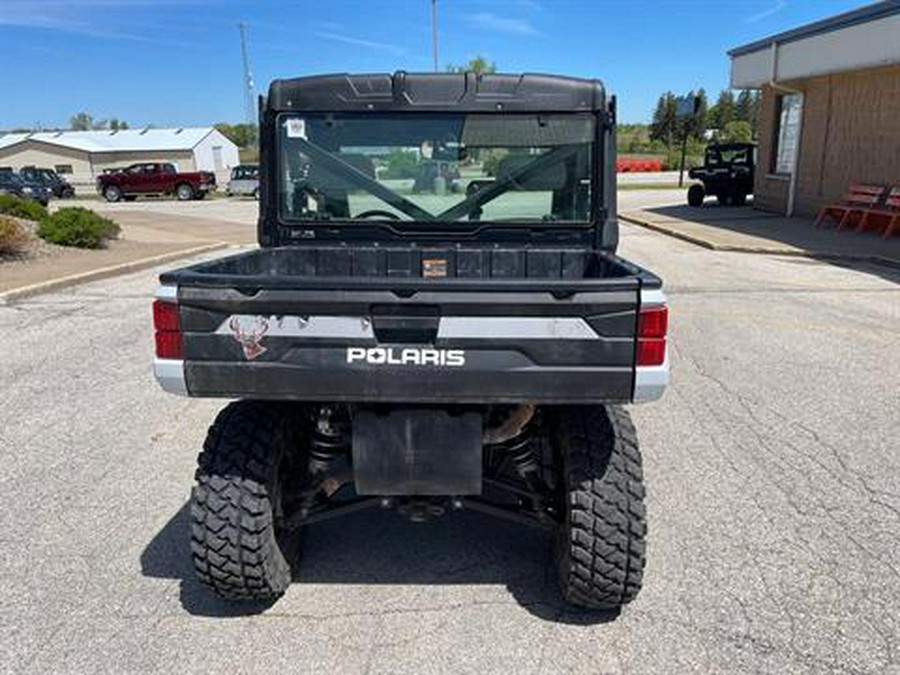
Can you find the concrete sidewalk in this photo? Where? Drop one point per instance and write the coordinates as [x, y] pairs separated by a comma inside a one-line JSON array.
[[749, 231]]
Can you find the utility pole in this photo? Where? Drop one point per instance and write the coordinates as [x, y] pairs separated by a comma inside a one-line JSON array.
[[249, 106], [434, 46]]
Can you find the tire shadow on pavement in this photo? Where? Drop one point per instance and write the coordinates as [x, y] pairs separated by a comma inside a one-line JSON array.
[[168, 556], [380, 547]]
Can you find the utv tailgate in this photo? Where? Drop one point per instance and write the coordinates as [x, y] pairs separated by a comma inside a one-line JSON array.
[[558, 327]]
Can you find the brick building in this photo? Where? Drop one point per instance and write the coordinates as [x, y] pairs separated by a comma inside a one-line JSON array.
[[830, 108]]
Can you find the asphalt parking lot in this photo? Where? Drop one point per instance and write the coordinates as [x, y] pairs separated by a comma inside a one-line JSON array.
[[774, 508]]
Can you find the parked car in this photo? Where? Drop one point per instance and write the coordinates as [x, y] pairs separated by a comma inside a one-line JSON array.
[[727, 173], [155, 178], [244, 181], [11, 183], [51, 180]]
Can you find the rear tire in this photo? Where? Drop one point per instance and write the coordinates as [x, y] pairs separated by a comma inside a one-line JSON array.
[[238, 547], [184, 192], [601, 549], [112, 193], [695, 195]]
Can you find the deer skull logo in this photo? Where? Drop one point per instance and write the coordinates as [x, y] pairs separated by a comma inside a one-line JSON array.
[[248, 331]]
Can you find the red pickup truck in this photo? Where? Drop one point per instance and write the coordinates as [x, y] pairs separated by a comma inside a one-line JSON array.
[[155, 178]]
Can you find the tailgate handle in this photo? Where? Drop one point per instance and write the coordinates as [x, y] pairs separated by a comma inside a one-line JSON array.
[[412, 324]]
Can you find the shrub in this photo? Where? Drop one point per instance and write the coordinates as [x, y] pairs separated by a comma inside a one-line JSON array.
[[75, 226], [13, 236], [402, 164], [490, 162], [21, 208]]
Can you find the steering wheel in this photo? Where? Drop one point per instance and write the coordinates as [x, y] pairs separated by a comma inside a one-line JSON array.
[[378, 213]]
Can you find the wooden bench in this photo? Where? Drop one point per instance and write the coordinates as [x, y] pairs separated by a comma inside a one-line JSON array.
[[858, 199], [889, 213]]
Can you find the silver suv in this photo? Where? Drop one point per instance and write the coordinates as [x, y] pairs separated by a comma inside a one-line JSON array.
[[244, 181]]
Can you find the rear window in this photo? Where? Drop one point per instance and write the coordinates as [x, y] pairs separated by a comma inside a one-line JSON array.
[[437, 168], [245, 172]]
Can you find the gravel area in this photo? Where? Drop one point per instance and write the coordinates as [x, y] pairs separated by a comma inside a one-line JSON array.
[[35, 249]]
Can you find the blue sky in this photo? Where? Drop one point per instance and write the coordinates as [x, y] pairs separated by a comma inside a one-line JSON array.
[[177, 62]]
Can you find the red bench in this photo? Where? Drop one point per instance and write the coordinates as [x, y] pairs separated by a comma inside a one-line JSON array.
[[888, 213], [858, 199]]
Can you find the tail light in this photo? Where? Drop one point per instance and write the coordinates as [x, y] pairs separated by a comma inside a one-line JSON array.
[[167, 325], [651, 340]]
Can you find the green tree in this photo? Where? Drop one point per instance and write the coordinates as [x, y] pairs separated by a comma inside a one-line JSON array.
[[723, 111], [478, 65], [698, 121], [81, 122], [242, 135], [754, 111], [665, 119], [117, 125], [737, 131], [402, 164], [743, 109]]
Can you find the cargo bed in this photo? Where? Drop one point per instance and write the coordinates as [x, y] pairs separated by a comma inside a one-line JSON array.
[[426, 324]]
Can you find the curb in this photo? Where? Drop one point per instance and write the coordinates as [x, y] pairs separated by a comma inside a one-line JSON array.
[[801, 253], [672, 233], [102, 273]]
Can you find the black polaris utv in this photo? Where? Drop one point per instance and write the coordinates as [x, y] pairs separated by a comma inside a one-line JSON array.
[[727, 173], [422, 352]]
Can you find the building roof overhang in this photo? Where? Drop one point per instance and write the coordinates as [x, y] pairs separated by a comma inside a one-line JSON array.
[[855, 40]]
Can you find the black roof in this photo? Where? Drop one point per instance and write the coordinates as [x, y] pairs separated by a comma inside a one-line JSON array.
[[730, 146], [871, 12], [464, 92]]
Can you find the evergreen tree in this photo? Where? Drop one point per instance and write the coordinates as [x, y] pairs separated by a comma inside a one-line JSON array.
[[81, 122], [754, 111], [743, 109], [665, 119], [698, 122], [723, 110]]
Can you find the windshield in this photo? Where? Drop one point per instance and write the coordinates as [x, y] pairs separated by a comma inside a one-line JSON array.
[[728, 155], [439, 168]]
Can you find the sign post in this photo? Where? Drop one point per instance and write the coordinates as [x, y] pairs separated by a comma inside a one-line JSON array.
[[686, 107]]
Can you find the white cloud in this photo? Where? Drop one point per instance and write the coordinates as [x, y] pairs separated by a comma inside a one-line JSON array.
[[774, 9], [502, 24], [75, 16], [358, 42]]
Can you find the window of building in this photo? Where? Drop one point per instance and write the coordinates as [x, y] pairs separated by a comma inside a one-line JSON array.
[[63, 168], [787, 132]]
